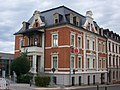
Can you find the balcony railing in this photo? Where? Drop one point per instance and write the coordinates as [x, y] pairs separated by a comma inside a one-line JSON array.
[[32, 49]]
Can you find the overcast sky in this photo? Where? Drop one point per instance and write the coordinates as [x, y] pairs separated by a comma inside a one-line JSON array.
[[13, 12]]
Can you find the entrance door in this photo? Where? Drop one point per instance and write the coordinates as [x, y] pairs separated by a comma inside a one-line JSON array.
[[93, 79], [88, 80], [38, 64], [102, 78], [79, 80], [109, 75], [55, 80], [73, 81]]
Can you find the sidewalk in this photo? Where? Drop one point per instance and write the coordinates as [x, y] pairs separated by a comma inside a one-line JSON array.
[[27, 87]]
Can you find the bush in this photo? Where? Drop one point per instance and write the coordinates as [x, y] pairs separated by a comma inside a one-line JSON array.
[[42, 81], [24, 79]]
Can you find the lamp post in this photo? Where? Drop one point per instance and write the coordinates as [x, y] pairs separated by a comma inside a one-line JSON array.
[[52, 80]]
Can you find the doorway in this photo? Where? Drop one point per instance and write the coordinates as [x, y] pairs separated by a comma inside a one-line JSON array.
[[102, 78], [38, 62], [88, 80], [94, 79], [79, 80], [73, 81]]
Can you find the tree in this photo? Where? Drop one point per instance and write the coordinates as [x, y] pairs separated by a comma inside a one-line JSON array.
[[20, 65]]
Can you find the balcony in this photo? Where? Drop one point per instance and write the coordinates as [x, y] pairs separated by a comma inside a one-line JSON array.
[[32, 49]]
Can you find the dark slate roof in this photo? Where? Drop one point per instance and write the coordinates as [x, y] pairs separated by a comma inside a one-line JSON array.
[[47, 17]]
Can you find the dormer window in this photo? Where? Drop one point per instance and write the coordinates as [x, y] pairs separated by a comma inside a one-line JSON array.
[[76, 21], [56, 18], [89, 26], [71, 18]]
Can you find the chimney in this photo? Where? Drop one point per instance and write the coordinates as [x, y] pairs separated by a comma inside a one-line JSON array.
[[25, 25], [36, 13], [89, 14]]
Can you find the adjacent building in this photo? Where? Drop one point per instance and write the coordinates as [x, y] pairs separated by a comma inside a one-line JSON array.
[[113, 55], [66, 43], [5, 62]]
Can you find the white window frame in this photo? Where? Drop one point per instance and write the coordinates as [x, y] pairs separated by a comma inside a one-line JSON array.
[[104, 63], [94, 64], [80, 41], [21, 41], [94, 45], [71, 61], [52, 61], [80, 62], [100, 63], [53, 40], [71, 39], [87, 63], [87, 44]]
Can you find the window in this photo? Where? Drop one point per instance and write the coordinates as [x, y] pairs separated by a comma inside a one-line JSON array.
[[73, 40], [104, 62], [21, 42], [113, 47], [119, 49], [56, 18], [88, 63], [89, 27], [119, 61], [116, 49], [109, 46], [103, 48], [79, 42], [55, 61], [109, 60], [116, 74], [88, 44], [72, 62], [100, 64], [56, 21], [93, 63], [93, 45], [113, 74], [79, 62], [30, 58], [55, 40], [113, 61]]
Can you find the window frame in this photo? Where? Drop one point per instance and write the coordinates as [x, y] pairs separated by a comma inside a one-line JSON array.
[[80, 65], [72, 67], [52, 66], [72, 34], [79, 45], [56, 44]]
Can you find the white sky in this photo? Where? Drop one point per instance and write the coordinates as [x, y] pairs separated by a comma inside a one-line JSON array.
[[13, 12]]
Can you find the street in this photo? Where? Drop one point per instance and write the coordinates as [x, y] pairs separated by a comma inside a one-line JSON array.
[[27, 87]]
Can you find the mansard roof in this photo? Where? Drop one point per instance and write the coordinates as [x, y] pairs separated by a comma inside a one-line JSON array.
[[112, 35], [48, 19]]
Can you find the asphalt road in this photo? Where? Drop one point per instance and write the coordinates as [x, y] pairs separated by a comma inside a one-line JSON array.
[[109, 87]]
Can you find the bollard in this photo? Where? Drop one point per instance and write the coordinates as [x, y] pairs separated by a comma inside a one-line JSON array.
[[97, 87]]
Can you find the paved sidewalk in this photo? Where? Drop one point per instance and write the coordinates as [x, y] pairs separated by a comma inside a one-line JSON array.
[[27, 87]]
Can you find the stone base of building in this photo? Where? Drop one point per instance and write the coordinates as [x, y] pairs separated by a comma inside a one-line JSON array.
[[78, 78]]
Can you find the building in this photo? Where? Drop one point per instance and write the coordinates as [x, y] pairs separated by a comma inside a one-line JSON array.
[[66, 43], [113, 55], [5, 62]]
